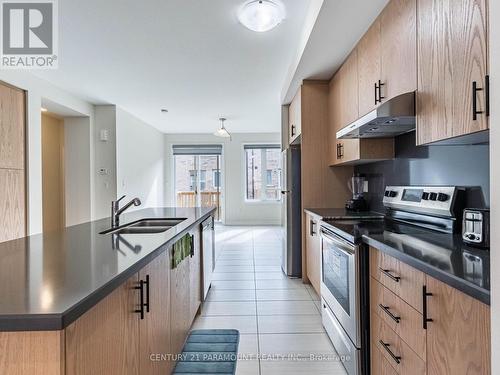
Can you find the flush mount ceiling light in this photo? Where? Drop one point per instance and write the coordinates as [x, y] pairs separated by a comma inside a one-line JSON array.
[[222, 131], [261, 15], [44, 109]]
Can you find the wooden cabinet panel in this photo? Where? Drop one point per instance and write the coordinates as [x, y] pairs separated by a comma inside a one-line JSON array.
[[154, 329], [368, 51], [403, 280], [12, 127], [28, 353], [398, 48], [379, 365], [180, 305], [452, 46], [106, 339], [195, 275], [348, 90], [408, 363], [295, 117], [12, 204], [313, 252], [405, 320], [458, 338]]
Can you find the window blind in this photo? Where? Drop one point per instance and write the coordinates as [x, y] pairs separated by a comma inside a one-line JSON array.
[[260, 147], [197, 149]]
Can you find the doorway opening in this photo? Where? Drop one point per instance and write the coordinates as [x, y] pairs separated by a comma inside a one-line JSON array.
[[198, 176]]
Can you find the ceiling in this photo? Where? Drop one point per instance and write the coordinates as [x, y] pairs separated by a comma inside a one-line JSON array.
[[191, 57], [338, 27]]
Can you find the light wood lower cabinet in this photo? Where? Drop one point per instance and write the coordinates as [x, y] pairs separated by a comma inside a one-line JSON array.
[[195, 273], [313, 251], [154, 329], [105, 340], [458, 338]]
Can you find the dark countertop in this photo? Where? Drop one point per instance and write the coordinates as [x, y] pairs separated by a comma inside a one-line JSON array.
[[440, 255], [49, 280]]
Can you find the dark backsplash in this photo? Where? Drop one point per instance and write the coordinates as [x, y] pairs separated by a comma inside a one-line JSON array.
[[431, 165]]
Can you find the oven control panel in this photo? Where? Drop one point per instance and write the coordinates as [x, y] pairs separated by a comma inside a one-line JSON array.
[[431, 200]]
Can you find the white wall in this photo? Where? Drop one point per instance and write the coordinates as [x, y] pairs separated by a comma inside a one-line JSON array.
[[77, 169], [38, 89], [105, 159], [140, 166], [495, 182], [236, 210]]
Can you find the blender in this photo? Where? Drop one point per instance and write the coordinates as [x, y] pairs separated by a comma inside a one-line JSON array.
[[356, 185]]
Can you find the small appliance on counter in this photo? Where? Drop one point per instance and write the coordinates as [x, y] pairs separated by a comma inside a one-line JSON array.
[[357, 186], [476, 227]]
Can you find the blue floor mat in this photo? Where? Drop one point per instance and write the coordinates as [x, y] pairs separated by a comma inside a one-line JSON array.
[[209, 351]]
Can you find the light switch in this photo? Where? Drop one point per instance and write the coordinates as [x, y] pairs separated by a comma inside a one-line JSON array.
[[365, 187], [104, 135]]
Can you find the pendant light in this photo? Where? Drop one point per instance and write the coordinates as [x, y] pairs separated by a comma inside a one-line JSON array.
[[222, 131]]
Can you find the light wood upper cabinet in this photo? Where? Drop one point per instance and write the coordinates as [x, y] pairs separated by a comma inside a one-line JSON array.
[[105, 340], [12, 124], [453, 54], [368, 51], [295, 117], [398, 48], [155, 328], [313, 251], [348, 91]]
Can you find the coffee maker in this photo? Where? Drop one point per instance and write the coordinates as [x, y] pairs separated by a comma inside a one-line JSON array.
[[357, 185]]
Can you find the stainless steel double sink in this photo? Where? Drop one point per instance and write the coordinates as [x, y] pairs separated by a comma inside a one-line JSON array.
[[146, 226]]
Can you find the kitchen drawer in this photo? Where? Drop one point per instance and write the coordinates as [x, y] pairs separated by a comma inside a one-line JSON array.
[[405, 320], [380, 365], [400, 356], [403, 280]]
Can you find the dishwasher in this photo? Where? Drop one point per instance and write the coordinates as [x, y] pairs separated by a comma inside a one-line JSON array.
[[208, 251]]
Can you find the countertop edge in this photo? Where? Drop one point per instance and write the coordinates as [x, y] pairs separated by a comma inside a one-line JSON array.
[[60, 321], [465, 287]]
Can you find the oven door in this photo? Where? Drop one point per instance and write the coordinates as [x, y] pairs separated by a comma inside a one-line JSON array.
[[340, 282]]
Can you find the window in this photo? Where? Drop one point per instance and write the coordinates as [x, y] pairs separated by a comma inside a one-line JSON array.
[[203, 180], [263, 171]]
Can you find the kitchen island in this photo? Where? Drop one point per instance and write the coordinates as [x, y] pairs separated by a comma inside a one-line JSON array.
[[77, 301]]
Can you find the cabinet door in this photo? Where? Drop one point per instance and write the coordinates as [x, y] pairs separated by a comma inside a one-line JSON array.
[[12, 204], [180, 317], [369, 68], [105, 340], [452, 49], [195, 275], [155, 327], [295, 116], [313, 252], [12, 123], [458, 338], [398, 48]]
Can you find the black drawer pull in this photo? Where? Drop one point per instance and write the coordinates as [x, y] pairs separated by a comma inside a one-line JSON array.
[[397, 319], [390, 275], [396, 358], [147, 293], [425, 294], [141, 304]]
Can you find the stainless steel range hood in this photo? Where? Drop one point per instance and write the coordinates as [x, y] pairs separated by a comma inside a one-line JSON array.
[[392, 118]]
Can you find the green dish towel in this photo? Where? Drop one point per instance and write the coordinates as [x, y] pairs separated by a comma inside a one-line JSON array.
[[181, 250]]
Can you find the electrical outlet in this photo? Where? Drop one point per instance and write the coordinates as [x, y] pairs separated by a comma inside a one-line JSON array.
[[103, 171]]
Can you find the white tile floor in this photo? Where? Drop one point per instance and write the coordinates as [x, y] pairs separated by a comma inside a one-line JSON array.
[[278, 318]]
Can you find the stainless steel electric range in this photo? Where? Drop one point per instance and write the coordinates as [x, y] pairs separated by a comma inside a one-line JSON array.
[[345, 260]]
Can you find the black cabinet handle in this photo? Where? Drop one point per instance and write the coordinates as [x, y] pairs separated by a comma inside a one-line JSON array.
[[475, 89], [389, 275], [147, 293], [487, 94], [396, 358], [191, 253], [380, 97], [140, 287], [338, 150], [293, 130], [341, 150], [376, 93], [397, 319], [425, 294]]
